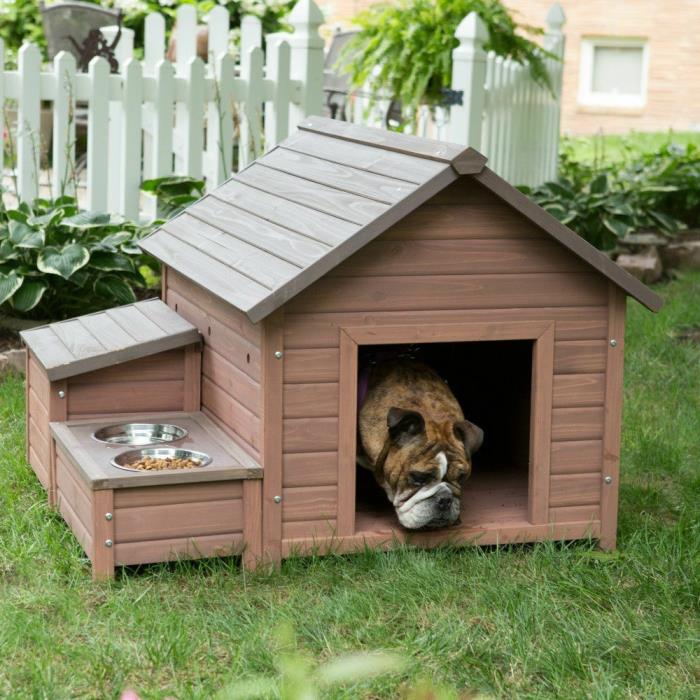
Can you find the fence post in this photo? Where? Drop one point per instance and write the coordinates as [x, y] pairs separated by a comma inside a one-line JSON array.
[[554, 41], [469, 76], [306, 60]]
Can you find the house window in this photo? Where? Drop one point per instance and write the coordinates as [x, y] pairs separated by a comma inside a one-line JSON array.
[[613, 72]]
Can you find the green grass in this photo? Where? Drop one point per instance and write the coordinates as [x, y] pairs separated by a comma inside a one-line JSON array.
[[613, 148], [544, 621]]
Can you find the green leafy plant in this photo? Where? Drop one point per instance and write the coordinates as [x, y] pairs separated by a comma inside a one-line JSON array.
[[57, 262], [173, 193], [404, 50], [657, 191]]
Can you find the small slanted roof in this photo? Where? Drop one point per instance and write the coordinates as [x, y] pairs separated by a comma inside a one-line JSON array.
[[84, 344], [318, 197]]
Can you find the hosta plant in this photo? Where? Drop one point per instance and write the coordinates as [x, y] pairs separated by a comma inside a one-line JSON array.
[[57, 262]]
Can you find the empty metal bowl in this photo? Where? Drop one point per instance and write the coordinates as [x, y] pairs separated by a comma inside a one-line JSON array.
[[123, 460], [139, 433]]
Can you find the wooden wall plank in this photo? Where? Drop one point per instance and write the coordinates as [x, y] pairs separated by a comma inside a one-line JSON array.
[[580, 356], [142, 523], [311, 366], [159, 367], [449, 292], [129, 553], [293, 530], [74, 492], [177, 493], [312, 330], [124, 397], [443, 221], [578, 390], [41, 469], [310, 468], [458, 257], [574, 489], [577, 456], [574, 514], [302, 435], [310, 400], [192, 376], [577, 423], [309, 503]]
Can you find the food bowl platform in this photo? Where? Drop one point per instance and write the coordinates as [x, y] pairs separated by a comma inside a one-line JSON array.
[[125, 517]]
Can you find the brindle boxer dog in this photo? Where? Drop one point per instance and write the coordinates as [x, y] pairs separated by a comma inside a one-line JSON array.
[[415, 439]]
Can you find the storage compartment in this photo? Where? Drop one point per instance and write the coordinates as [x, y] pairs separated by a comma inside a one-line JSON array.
[[492, 380]]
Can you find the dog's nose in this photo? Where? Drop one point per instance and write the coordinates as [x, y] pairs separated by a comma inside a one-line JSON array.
[[445, 502]]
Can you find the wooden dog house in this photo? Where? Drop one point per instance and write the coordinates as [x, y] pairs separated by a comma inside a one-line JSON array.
[[343, 239]]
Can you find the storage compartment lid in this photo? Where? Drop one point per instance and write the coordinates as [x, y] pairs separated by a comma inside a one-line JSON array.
[[91, 342]]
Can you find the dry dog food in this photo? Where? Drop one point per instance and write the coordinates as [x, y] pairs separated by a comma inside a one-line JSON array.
[[152, 464]]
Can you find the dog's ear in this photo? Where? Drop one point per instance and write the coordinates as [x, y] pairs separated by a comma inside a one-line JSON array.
[[471, 435], [404, 425]]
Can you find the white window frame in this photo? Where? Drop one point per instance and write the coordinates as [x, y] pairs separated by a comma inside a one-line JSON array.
[[586, 95]]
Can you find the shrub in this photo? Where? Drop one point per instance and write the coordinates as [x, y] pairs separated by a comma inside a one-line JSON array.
[[173, 193], [404, 50], [57, 262], [657, 191]]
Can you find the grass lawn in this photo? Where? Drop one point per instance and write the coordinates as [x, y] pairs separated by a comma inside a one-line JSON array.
[[614, 148], [544, 621]]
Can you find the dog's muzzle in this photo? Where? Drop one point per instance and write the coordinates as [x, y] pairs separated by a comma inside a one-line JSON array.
[[430, 507]]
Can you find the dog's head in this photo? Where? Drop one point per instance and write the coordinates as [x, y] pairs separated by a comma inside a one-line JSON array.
[[425, 467]]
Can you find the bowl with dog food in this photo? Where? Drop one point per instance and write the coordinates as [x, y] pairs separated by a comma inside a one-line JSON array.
[[139, 433], [159, 459]]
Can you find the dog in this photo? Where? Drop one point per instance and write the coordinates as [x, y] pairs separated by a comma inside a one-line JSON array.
[[415, 439]]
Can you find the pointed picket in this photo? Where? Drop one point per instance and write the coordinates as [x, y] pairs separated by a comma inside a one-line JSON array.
[[277, 109], [163, 121], [219, 154], [98, 135], [193, 144], [251, 139], [153, 42], [132, 96], [63, 159], [28, 124], [185, 37], [218, 22]]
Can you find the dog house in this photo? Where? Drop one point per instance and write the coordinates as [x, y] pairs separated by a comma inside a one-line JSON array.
[[340, 244]]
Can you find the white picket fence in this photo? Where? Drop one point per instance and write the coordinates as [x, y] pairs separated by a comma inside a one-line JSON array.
[[505, 114], [204, 119], [153, 118]]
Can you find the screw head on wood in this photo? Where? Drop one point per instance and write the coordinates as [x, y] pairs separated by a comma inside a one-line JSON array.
[[108, 543], [277, 499], [278, 354], [608, 480], [108, 516], [61, 394], [613, 343]]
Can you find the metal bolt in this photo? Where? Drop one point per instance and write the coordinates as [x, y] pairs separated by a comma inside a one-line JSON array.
[[278, 354], [108, 543], [61, 394], [108, 516], [613, 343], [608, 480], [277, 499]]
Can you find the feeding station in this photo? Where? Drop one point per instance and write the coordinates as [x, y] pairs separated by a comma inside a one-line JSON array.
[[277, 287]]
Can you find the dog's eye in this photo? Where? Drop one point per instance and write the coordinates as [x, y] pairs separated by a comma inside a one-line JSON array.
[[420, 478]]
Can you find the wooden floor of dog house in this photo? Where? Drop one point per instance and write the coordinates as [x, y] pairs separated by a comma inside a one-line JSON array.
[[489, 499]]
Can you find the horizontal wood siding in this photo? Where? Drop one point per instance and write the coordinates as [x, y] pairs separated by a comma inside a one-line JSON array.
[[231, 392], [465, 257], [153, 383]]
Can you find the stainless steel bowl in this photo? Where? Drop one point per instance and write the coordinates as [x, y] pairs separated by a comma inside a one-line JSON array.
[[123, 460], [139, 433]]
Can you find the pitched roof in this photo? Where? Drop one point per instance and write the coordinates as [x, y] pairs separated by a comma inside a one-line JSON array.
[[318, 197], [67, 348]]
